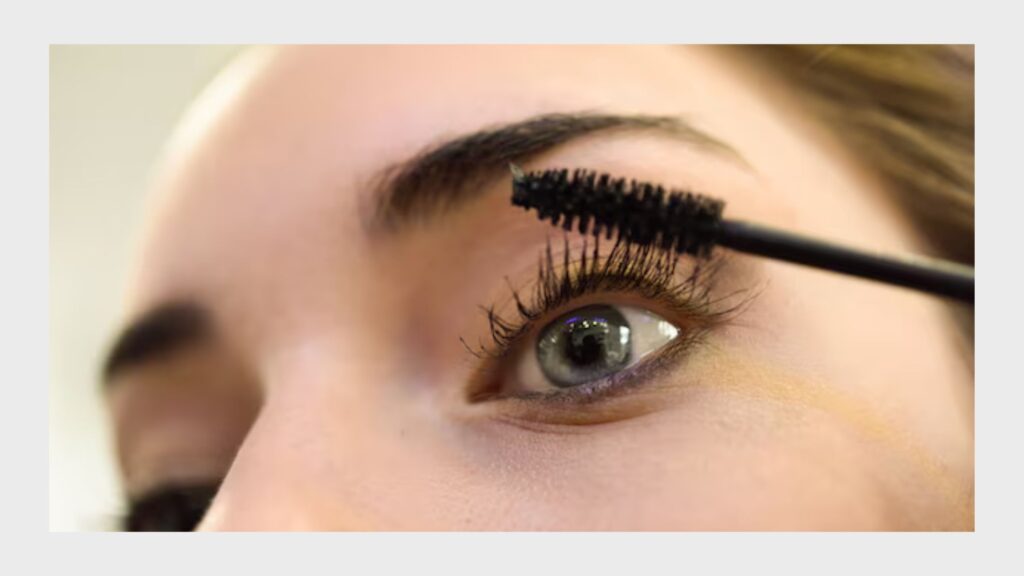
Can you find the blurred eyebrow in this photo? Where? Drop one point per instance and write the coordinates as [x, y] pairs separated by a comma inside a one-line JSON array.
[[161, 331], [456, 170]]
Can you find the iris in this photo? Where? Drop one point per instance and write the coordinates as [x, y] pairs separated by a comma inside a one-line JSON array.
[[585, 345]]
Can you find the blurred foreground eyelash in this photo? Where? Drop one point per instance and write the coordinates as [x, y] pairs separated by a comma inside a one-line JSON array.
[[170, 509]]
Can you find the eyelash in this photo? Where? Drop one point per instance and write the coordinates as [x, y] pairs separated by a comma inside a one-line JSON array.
[[169, 509], [628, 269]]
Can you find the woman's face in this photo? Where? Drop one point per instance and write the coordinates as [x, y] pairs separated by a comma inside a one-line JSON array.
[[313, 329]]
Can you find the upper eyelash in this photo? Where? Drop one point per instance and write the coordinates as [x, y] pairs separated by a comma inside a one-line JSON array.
[[646, 270]]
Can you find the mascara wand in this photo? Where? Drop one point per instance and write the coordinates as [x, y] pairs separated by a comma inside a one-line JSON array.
[[645, 214]]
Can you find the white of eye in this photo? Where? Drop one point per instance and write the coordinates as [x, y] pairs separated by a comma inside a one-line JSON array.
[[647, 333]]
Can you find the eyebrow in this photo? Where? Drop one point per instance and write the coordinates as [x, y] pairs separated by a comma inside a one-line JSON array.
[[453, 172], [159, 332], [430, 183]]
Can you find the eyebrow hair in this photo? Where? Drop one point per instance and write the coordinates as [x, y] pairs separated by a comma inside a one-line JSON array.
[[431, 182], [159, 332], [452, 172]]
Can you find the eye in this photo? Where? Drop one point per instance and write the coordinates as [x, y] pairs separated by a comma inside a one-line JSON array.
[[588, 345]]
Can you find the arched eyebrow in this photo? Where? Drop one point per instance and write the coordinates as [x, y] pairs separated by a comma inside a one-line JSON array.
[[456, 170], [419, 188], [158, 332]]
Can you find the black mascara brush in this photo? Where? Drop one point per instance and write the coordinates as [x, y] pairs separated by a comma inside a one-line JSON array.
[[646, 214]]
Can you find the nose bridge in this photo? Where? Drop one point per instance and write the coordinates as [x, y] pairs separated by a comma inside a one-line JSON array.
[[332, 441], [293, 472], [313, 459]]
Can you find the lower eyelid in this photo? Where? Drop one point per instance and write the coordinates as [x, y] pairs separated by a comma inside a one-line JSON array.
[[629, 394], [642, 321]]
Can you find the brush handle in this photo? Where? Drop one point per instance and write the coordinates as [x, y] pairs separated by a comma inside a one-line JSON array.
[[928, 275]]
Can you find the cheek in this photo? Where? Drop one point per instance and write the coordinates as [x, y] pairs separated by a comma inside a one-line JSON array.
[[889, 363], [740, 448], [716, 460]]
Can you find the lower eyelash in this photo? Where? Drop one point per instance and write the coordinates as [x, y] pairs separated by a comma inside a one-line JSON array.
[[621, 382]]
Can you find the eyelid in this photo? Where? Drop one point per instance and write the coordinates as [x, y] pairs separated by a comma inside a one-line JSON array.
[[631, 393]]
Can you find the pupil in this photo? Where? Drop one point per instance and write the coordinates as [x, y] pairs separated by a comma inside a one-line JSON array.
[[586, 342]]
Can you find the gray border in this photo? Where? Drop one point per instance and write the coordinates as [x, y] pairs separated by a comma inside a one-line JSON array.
[[998, 426]]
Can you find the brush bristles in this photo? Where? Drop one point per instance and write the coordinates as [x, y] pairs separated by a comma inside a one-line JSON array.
[[640, 212]]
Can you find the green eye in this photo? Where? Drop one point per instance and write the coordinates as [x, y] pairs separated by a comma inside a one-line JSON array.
[[584, 345], [589, 344]]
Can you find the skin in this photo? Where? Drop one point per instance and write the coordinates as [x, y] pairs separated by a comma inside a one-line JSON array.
[[334, 392]]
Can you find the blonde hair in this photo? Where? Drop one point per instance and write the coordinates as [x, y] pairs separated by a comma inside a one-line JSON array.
[[908, 112]]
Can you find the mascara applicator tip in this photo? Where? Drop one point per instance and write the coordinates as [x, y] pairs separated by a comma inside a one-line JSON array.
[[517, 172]]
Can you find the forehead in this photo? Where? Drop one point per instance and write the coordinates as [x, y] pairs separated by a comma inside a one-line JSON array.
[[293, 134], [263, 199]]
